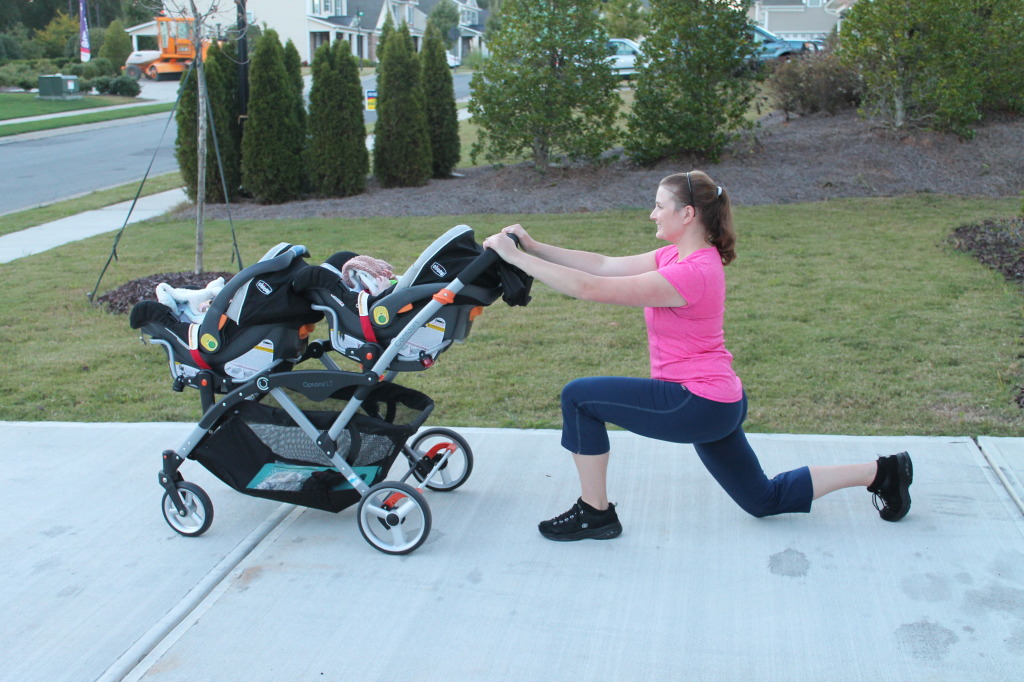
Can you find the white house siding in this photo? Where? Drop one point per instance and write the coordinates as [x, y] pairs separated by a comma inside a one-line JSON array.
[[288, 18], [795, 19]]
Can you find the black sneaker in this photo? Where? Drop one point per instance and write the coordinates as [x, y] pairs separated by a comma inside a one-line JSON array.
[[581, 523], [891, 487]]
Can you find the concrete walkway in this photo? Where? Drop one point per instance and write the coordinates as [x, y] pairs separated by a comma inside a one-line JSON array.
[[95, 585], [89, 224]]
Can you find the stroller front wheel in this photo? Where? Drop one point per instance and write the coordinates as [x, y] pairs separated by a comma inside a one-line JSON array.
[[198, 506], [394, 518]]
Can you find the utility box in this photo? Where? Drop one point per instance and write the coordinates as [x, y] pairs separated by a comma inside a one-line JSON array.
[[59, 87]]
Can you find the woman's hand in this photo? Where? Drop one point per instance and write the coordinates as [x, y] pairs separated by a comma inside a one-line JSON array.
[[526, 242], [502, 244]]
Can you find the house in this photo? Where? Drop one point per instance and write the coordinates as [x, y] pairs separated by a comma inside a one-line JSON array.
[[312, 23], [799, 19]]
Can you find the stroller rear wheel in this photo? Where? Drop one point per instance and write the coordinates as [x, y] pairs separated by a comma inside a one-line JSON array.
[[394, 518], [199, 510], [433, 445]]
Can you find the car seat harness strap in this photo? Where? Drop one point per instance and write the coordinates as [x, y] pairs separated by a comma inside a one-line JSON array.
[[364, 317]]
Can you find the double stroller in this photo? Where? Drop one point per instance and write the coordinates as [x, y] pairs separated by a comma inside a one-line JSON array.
[[326, 438]]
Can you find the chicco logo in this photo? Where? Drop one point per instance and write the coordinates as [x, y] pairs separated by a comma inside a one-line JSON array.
[[438, 269], [264, 287]]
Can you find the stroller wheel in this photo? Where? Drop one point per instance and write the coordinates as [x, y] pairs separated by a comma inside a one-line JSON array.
[[436, 444], [394, 518], [199, 510]]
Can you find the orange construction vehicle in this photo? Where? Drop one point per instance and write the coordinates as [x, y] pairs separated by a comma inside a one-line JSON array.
[[174, 56]]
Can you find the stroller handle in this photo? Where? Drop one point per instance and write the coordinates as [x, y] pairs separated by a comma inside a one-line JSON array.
[[209, 328], [482, 262]]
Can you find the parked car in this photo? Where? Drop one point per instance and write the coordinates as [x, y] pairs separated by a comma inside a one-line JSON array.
[[453, 61], [771, 47], [623, 53]]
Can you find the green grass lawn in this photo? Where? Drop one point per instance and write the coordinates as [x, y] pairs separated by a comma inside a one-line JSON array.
[[81, 119], [12, 222], [845, 317], [22, 104]]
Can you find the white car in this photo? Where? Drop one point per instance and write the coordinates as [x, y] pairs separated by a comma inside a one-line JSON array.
[[453, 61], [623, 52]]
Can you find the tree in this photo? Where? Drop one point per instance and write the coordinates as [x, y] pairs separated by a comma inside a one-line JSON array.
[[694, 82], [445, 16], [218, 136], [229, 131], [57, 35], [338, 160], [293, 65], [625, 19], [401, 149], [920, 61], [442, 114], [271, 162], [548, 89], [116, 45], [221, 81], [385, 32]]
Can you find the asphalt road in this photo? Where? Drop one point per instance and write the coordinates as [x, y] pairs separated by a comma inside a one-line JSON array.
[[43, 168]]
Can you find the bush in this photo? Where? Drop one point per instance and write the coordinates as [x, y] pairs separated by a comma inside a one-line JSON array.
[[940, 64], [442, 114], [89, 70], [693, 83], [100, 84], [272, 164], [124, 86], [473, 60], [815, 83], [117, 44], [549, 91], [401, 148], [10, 48], [338, 159]]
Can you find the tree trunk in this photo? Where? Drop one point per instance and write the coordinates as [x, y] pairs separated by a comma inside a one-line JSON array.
[[201, 142]]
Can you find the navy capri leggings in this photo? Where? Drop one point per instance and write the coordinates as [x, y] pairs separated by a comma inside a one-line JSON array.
[[667, 411]]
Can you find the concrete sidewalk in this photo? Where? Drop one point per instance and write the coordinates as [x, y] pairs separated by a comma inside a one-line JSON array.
[[95, 585], [89, 224]]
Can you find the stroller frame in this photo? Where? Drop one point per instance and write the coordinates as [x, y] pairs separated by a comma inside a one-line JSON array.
[[394, 517]]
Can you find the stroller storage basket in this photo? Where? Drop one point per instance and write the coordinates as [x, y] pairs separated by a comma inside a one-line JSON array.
[[259, 450]]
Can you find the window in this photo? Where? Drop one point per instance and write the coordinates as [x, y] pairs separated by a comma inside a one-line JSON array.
[[814, 3], [315, 8]]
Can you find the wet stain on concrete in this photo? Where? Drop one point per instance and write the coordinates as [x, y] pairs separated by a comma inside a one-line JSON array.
[[790, 563], [925, 641]]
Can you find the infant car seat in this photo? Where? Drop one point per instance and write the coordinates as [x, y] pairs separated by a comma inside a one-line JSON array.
[[255, 322], [358, 318]]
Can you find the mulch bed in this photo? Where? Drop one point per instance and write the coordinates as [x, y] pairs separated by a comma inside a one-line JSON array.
[[124, 298]]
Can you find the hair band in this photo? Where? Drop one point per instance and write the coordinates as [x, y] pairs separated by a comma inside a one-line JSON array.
[[719, 190]]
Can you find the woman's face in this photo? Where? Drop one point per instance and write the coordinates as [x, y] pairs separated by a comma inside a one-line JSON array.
[[671, 221]]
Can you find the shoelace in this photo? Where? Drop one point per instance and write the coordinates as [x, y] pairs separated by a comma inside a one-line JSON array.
[[567, 516]]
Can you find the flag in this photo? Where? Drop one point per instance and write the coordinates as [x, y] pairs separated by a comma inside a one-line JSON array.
[[83, 32]]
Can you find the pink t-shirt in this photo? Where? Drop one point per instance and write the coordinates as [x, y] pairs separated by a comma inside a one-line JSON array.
[[687, 344]]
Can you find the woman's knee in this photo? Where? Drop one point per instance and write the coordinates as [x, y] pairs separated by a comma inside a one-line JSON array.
[[574, 392]]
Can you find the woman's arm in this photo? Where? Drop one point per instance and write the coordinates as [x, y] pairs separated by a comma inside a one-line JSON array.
[[587, 261], [648, 289]]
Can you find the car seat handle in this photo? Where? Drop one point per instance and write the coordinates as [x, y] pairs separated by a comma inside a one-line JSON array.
[[210, 340], [481, 263]]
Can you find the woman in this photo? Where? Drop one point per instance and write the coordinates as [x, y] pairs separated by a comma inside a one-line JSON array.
[[693, 395]]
